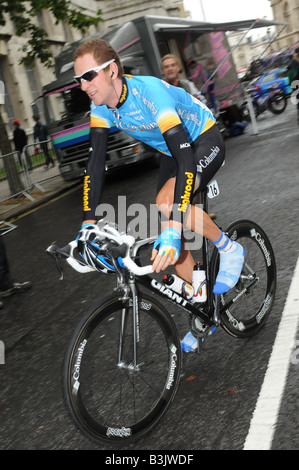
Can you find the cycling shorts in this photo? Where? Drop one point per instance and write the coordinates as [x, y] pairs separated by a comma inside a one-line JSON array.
[[209, 154]]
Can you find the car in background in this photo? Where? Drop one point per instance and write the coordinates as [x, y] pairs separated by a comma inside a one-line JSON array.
[[274, 77]]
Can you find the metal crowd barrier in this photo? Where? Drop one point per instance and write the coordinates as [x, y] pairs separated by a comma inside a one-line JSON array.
[[41, 163], [13, 177], [19, 174]]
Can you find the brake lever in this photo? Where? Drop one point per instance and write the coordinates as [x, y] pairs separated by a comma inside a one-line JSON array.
[[57, 253], [59, 268], [52, 251]]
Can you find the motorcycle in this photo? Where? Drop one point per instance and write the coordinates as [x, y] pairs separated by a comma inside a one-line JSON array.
[[274, 99]]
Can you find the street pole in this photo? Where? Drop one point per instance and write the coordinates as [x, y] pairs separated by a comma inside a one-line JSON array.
[[202, 10]]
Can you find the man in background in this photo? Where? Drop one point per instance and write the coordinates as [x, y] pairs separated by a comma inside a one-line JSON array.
[[20, 139], [41, 133]]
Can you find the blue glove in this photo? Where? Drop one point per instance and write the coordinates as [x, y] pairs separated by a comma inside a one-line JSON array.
[[170, 243]]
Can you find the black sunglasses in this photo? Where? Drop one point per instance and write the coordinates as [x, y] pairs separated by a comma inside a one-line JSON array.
[[91, 73]]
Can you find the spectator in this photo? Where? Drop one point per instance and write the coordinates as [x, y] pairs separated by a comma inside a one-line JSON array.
[[293, 67], [20, 140], [41, 133], [170, 68], [7, 285]]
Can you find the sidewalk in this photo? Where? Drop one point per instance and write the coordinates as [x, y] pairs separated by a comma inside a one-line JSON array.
[[15, 207]]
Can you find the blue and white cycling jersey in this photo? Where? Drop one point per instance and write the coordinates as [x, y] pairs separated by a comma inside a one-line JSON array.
[[149, 107]]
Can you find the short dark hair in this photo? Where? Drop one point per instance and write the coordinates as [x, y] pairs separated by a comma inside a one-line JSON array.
[[102, 52]]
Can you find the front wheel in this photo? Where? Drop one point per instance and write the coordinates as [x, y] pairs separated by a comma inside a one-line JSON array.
[[121, 371], [278, 102], [246, 307]]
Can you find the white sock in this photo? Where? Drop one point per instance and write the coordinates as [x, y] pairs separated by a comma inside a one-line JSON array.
[[231, 262], [224, 244]]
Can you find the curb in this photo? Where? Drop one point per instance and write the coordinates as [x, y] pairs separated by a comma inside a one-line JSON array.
[[17, 212]]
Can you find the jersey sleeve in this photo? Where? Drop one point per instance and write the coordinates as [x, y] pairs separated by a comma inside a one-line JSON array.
[[95, 171], [180, 148]]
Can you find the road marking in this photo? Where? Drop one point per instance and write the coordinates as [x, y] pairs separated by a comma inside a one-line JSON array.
[[263, 422]]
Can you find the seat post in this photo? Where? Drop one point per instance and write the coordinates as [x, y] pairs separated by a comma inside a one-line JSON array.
[[202, 199]]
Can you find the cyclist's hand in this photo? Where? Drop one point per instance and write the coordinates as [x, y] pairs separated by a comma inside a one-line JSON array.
[[169, 243]]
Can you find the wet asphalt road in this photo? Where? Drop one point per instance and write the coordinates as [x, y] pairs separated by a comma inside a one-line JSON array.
[[219, 388]]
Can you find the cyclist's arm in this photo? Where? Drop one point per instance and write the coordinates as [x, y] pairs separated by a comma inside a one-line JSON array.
[[95, 173], [169, 241], [181, 150]]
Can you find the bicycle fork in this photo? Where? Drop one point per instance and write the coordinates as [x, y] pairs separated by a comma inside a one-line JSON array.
[[122, 363]]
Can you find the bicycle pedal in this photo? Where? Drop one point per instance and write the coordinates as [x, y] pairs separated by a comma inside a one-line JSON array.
[[198, 328]]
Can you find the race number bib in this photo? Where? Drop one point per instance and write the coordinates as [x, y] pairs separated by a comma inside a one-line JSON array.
[[213, 189]]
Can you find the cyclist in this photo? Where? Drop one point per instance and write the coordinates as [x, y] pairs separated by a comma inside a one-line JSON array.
[[182, 129]]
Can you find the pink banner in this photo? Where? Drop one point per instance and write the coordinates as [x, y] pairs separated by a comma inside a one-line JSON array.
[[220, 52]]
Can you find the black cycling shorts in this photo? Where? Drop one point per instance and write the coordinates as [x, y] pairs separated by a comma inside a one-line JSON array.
[[209, 154]]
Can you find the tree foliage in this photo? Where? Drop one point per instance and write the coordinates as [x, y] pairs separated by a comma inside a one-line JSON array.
[[23, 12]]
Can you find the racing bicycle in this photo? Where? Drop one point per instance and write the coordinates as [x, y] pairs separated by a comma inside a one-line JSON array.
[[123, 363]]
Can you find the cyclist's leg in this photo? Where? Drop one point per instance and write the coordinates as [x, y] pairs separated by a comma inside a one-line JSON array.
[[196, 220], [164, 200], [184, 266], [209, 151], [231, 253]]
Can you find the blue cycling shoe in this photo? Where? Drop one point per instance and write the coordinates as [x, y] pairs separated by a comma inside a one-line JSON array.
[[231, 263], [189, 343]]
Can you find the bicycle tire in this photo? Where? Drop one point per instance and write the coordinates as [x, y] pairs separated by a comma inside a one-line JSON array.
[[247, 312], [109, 400], [278, 103]]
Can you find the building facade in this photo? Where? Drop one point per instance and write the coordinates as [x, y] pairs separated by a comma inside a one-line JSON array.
[[275, 39], [22, 85], [286, 12]]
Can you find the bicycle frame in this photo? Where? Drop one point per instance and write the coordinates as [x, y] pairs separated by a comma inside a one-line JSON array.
[[208, 312]]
